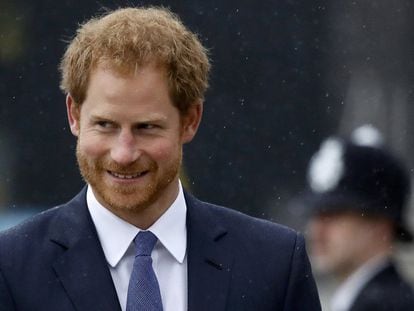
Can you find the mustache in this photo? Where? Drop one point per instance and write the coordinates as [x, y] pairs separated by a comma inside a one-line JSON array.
[[105, 164], [135, 167]]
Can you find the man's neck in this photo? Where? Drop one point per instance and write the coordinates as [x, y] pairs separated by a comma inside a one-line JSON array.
[[145, 216]]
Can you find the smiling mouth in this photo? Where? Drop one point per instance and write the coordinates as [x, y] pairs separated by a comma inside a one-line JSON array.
[[127, 176]]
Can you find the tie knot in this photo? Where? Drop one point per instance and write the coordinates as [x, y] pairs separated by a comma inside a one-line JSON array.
[[144, 243]]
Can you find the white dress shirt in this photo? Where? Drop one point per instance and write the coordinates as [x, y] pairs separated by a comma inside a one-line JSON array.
[[346, 294], [169, 254]]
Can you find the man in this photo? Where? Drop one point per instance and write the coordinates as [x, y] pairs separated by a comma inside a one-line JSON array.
[[133, 239], [358, 196]]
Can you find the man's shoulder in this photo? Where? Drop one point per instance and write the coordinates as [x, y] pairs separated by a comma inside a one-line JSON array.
[[35, 232], [29, 241], [243, 219], [243, 225], [36, 223], [388, 290], [32, 234], [68, 209], [389, 279], [256, 252]]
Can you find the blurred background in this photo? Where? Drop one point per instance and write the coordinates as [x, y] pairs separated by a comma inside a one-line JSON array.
[[286, 74]]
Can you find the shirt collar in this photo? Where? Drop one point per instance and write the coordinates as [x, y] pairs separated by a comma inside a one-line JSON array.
[[116, 235]]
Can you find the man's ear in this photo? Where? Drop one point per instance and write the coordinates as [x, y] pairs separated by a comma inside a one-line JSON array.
[[73, 112], [190, 121]]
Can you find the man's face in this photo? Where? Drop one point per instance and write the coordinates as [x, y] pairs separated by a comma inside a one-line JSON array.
[[340, 241], [130, 138]]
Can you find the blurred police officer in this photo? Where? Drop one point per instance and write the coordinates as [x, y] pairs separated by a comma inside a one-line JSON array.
[[358, 193]]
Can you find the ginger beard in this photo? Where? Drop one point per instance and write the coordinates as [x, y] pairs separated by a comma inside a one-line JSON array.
[[128, 197]]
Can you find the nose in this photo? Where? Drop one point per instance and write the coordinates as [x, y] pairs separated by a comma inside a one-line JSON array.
[[125, 149]]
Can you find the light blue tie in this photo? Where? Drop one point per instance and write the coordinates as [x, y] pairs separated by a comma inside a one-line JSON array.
[[143, 290]]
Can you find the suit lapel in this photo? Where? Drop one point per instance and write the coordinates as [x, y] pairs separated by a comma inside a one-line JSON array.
[[209, 265], [84, 274], [82, 268]]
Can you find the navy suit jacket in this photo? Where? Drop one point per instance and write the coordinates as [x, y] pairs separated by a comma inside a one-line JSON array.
[[386, 291], [54, 261]]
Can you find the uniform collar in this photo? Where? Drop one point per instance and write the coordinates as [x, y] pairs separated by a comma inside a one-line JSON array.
[[348, 291]]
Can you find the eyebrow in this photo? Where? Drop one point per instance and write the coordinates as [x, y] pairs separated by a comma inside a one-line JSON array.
[[147, 119]]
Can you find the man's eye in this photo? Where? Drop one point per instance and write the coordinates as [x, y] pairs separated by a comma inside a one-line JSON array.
[[104, 124], [146, 126]]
